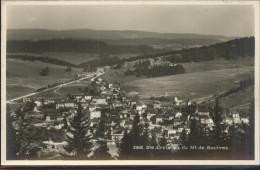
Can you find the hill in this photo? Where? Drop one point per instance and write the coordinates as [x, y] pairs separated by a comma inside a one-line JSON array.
[[37, 34]]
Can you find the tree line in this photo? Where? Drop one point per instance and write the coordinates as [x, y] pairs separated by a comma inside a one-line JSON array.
[[144, 68], [74, 45], [42, 59]]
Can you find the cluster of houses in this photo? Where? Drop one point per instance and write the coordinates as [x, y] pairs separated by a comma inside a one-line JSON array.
[[117, 112]]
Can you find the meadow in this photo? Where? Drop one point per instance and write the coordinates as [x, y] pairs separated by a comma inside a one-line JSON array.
[[23, 76], [191, 85]]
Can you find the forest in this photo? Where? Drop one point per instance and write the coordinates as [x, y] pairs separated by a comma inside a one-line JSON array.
[[144, 68], [74, 45]]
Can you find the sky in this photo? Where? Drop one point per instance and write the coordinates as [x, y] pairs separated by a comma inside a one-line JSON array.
[[227, 20]]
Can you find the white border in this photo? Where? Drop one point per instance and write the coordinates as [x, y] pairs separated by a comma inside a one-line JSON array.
[[4, 5]]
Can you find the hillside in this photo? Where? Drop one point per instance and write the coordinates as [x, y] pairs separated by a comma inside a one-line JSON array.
[[74, 45], [37, 34], [167, 41]]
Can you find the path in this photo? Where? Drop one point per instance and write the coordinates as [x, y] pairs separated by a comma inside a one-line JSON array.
[[55, 88]]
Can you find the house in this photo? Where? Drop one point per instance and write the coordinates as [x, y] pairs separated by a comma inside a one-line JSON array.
[[60, 117], [110, 85], [93, 114], [92, 107], [177, 122], [48, 102], [25, 100], [244, 117], [178, 114], [236, 117], [139, 107], [228, 120], [48, 118], [157, 105], [117, 135], [88, 98], [171, 117], [117, 104], [60, 105], [100, 100], [122, 123], [84, 105], [38, 103], [78, 97], [176, 101], [159, 118], [70, 104], [202, 111]]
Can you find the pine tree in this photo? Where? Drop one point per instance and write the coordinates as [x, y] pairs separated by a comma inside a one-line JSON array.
[[80, 140], [10, 138], [183, 138], [218, 133], [193, 140], [102, 152], [231, 137], [136, 131], [251, 130], [125, 149]]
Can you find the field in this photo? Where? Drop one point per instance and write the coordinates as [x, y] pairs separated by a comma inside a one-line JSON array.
[[24, 76], [201, 79], [71, 57], [191, 85], [242, 97], [218, 64]]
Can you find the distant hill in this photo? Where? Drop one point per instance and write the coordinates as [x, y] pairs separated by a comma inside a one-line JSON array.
[[74, 45], [160, 41], [36, 34]]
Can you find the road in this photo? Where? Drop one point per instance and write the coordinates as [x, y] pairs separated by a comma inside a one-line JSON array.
[[91, 75]]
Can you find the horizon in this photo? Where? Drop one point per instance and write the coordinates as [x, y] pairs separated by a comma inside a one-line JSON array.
[[219, 20], [125, 30]]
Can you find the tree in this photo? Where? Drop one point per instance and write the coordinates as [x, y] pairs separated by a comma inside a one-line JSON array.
[[10, 138], [218, 133], [68, 69], [79, 141], [26, 138], [251, 130], [125, 149], [45, 71], [102, 152]]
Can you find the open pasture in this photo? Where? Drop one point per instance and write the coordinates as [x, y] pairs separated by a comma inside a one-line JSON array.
[[191, 85]]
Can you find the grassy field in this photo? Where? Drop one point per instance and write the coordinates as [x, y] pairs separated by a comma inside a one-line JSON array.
[[71, 57], [218, 64], [191, 85], [24, 76], [201, 79], [240, 98]]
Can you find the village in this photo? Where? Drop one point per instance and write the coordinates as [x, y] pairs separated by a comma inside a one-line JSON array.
[[107, 103]]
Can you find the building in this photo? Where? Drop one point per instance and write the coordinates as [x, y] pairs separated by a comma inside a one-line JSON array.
[[159, 119], [93, 114], [70, 104], [100, 100]]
